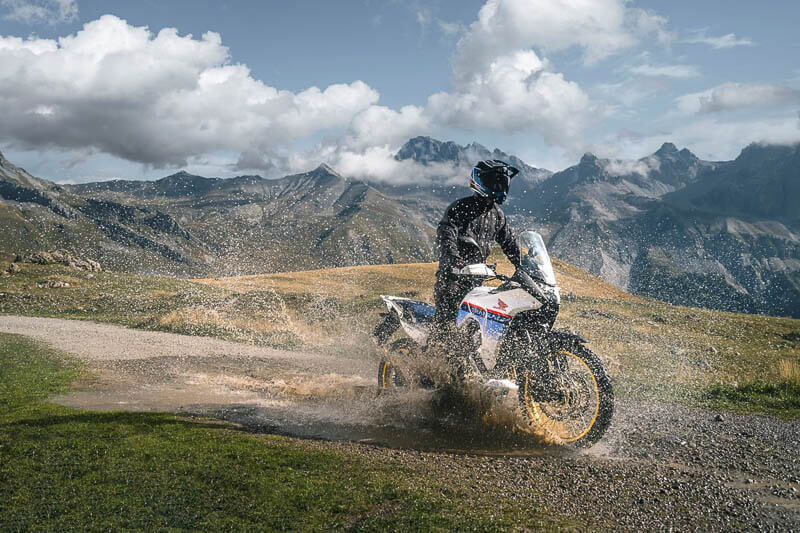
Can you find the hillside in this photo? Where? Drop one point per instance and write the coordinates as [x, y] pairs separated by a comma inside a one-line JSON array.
[[249, 224], [651, 346], [190, 225], [674, 227]]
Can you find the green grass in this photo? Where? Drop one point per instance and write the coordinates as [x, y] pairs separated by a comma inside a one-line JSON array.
[[778, 399], [64, 469], [779, 396]]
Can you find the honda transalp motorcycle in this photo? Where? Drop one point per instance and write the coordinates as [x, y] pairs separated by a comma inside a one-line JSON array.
[[507, 335]]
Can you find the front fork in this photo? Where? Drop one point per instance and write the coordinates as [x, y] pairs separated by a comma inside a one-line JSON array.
[[543, 366]]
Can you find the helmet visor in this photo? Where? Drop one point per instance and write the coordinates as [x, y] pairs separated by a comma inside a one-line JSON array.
[[499, 183]]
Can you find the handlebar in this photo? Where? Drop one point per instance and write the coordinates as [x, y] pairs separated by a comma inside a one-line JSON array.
[[501, 277], [488, 273]]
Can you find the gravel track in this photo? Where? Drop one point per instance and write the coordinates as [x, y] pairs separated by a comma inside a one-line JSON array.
[[660, 467]]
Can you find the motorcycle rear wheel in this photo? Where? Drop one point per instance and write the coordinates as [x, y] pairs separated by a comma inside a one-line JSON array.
[[389, 376], [585, 405]]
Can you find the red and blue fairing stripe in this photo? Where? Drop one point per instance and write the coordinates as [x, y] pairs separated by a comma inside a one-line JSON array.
[[494, 322]]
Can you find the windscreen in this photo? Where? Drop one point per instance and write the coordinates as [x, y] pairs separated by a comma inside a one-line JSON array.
[[535, 259]]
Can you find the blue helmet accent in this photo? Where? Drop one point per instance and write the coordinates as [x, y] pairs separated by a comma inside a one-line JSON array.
[[477, 185]]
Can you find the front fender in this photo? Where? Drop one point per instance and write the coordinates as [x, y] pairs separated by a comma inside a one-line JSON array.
[[565, 339]]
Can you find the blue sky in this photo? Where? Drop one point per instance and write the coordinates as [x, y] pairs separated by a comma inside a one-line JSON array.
[[96, 90]]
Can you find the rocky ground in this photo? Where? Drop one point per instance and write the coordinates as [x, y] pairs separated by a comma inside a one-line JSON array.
[[660, 467]]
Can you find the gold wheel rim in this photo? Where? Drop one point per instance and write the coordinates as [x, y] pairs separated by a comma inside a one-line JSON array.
[[385, 375], [536, 413]]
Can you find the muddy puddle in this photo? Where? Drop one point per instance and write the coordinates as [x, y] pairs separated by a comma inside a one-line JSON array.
[[330, 395], [277, 397]]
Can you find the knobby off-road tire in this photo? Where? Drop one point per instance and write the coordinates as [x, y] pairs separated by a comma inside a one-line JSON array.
[[389, 376], [585, 414]]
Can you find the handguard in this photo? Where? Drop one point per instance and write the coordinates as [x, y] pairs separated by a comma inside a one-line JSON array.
[[477, 269]]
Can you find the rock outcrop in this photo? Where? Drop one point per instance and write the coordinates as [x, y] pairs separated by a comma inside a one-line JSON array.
[[60, 257]]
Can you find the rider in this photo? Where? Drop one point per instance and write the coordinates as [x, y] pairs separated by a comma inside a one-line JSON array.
[[478, 217]]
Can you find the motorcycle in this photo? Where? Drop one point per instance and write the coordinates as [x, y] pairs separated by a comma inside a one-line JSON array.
[[507, 336]]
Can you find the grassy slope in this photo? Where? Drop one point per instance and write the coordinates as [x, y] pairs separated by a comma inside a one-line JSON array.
[[63, 469], [651, 348]]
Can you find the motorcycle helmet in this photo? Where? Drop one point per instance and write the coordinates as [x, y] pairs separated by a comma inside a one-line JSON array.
[[490, 179]]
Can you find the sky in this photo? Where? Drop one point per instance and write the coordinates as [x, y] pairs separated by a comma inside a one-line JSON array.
[[94, 90]]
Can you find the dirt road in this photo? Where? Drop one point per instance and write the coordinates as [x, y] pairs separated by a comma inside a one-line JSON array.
[[660, 467]]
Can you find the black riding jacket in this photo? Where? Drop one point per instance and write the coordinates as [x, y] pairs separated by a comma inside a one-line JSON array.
[[473, 217]]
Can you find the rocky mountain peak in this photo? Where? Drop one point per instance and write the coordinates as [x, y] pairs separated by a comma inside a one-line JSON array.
[[12, 173], [324, 169], [676, 168], [479, 148], [428, 150], [667, 149], [179, 176], [760, 154], [184, 184], [589, 160]]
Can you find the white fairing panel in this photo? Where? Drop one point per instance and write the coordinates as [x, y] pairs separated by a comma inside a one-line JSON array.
[[493, 311], [415, 317]]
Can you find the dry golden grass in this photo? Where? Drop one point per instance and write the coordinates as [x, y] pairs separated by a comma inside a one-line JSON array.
[[789, 372], [196, 317], [651, 343], [398, 278], [341, 282], [647, 344]]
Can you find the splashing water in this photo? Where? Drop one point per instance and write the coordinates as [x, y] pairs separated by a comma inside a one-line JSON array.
[[330, 395]]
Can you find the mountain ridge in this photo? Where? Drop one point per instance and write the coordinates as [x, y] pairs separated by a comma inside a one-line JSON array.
[[667, 225]]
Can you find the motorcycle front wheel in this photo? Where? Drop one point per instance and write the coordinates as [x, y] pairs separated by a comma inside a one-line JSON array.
[[578, 405]]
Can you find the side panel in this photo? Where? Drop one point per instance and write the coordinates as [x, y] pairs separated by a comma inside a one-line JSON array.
[[494, 311], [415, 316]]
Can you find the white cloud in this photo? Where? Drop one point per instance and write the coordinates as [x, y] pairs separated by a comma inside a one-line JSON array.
[[372, 163], [735, 96], [500, 82], [600, 27], [626, 167], [724, 139], [41, 11], [156, 99], [728, 40], [516, 93], [380, 126], [377, 163], [710, 137], [666, 71]]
